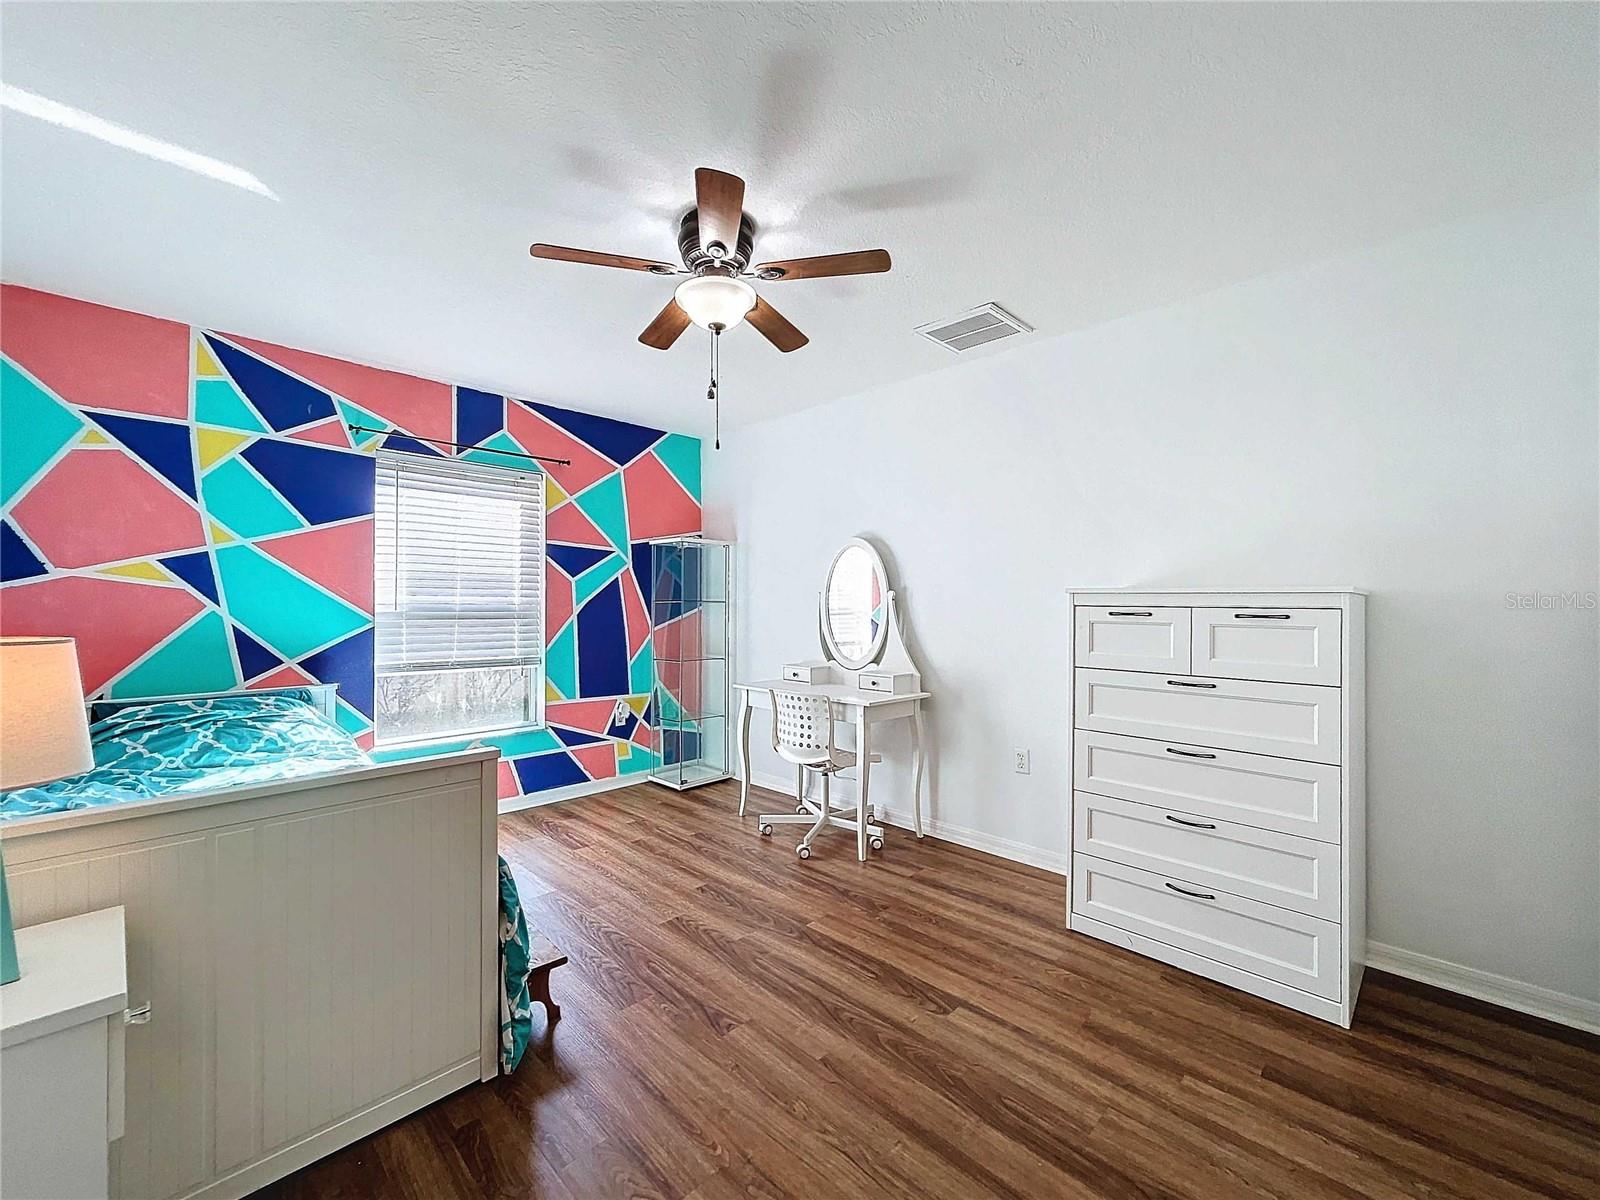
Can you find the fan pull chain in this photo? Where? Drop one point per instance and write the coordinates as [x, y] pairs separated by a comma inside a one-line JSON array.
[[712, 392]]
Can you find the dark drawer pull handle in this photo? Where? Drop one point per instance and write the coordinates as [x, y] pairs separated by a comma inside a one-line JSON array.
[[1188, 683], [1129, 614], [1262, 616], [1190, 824], [1190, 753], [1187, 892]]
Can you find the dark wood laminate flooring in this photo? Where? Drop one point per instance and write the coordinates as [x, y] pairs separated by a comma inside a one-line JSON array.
[[737, 1023]]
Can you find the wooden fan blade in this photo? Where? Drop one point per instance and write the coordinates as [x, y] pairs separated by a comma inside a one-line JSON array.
[[775, 327], [598, 259], [856, 262], [664, 330], [719, 197]]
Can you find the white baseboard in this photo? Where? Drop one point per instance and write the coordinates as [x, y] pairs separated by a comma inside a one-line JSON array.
[[574, 792], [972, 839], [1486, 985]]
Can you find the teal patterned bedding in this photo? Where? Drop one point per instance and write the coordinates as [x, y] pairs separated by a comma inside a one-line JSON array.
[[162, 748], [181, 747]]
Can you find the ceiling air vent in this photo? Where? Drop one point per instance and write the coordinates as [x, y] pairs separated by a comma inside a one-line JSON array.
[[975, 328]]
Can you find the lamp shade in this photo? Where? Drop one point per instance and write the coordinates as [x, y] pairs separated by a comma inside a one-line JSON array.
[[44, 734], [715, 301]]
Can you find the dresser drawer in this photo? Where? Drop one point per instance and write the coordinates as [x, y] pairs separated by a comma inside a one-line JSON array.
[[1275, 868], [1284, 794], [1131, 638], [1275, 943], [1290, 720], [1289, 645]]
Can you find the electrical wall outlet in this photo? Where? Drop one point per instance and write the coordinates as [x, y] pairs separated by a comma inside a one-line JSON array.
[[1021, 766], [620, 714]]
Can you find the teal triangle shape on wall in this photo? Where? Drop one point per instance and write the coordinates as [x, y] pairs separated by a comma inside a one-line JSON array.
[[278, 608], [680, 455], [642, 672], [198, 659], [218, 403], [515, 456], [604, 505], [561, 661], [38, 427], [355, 415], [596, 577]]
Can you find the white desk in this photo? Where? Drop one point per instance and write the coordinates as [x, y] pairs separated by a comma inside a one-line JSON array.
[[863, 710]]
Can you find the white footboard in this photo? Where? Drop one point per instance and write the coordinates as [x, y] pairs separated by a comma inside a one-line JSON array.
[[321, 957]]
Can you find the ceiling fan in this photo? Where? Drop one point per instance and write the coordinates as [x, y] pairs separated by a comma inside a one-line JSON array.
[[715, 240]]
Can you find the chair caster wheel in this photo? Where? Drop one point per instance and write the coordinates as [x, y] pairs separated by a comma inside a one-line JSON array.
[[799, 808], [876, 843], [803, 851], [764, 830]]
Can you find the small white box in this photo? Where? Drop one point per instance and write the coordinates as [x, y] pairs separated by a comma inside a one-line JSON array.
[[806, 672], [891, 683]]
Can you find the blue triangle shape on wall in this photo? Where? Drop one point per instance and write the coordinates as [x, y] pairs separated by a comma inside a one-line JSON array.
[[17, 561], [349, 664], [161, 445], [285, 402], [254, 658], [575, 737], [322, 483], [478, 415], [409, 445], [620, 441], [196, 570], [603, 644], [540, 772], [575, 560]]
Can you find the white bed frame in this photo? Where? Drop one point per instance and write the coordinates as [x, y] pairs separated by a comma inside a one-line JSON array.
[[320, 957]]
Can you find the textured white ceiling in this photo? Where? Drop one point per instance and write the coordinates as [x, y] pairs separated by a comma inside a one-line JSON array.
[[1074, 162]]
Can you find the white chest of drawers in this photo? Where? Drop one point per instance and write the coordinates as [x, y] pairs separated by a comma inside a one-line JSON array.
[[1218, 747]]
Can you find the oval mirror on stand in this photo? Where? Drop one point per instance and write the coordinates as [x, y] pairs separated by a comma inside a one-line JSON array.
[[855, 620]]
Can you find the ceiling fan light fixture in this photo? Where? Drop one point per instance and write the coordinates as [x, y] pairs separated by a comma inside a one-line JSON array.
[[715, 301]]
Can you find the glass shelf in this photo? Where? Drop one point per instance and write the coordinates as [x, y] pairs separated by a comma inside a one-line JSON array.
[[691, 585]]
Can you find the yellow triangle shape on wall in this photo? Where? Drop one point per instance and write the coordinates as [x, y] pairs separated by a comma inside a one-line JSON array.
[[93, 437], [638, 704], [553, 495], [623, 751], [204, 365], [550, 693], [219, 535], [138, 570], [216, 444]]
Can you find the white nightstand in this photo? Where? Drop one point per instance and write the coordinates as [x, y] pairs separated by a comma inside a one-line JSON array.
[[61, 1040]]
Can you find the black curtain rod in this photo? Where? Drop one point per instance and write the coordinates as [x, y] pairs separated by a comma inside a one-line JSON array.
[[557, 462]]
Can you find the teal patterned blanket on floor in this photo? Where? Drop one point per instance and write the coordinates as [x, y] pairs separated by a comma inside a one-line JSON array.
[[146, 751]]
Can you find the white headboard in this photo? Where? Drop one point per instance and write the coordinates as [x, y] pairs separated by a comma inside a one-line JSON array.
[[323, 696]]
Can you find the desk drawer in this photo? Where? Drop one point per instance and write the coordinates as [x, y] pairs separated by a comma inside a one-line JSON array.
[[1131, 638], [1275, 868], [1283, 794], [1289, 645], [1285, 719], [1275, 943]]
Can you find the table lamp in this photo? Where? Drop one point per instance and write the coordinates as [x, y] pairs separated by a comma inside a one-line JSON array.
[[44, 736]]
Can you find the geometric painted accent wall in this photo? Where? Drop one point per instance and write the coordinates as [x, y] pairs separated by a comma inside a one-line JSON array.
[[196, 509]]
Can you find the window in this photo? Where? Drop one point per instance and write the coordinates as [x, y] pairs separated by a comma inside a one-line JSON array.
[[459, 554]]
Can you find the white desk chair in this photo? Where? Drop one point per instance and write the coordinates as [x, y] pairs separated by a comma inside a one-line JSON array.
[[798, 725]]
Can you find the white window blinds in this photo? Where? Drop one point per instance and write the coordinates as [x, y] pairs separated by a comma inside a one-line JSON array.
[[459, 565]]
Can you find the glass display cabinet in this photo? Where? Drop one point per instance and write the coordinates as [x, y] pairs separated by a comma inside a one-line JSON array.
[[691, 635]]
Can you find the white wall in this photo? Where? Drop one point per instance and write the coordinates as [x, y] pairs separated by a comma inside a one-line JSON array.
[[1419, 420]]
